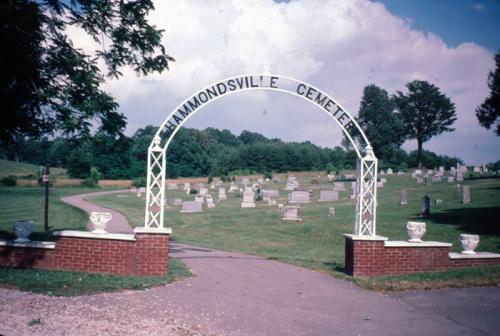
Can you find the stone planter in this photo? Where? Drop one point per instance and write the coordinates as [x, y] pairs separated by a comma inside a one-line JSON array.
[[23, 229], [100, 220], [469, 243], [416, 231]]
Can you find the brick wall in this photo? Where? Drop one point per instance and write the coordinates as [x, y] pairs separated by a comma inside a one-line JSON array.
[[146, 256], [372, 257]]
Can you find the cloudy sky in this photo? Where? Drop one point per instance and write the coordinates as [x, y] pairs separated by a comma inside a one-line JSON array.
[[339, 46]]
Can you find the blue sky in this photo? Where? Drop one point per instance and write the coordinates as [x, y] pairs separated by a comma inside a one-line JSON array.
[[339, 46], [455, 21]]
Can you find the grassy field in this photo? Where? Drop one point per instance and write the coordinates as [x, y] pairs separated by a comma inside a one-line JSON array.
[[18, 203], [26, 169], [317, 241]]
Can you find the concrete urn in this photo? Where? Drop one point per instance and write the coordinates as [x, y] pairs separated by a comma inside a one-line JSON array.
[[100, 220], [469, 243], [416, 231], [23, 229]]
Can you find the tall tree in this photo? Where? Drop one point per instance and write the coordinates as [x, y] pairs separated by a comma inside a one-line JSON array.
[[47, 85], [381, 124], [488, 113], [425, 112]]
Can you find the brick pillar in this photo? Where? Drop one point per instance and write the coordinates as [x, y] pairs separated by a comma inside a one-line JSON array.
[[364, 255], [151, 251]]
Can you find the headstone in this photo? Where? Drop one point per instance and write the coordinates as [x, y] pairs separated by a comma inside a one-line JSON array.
[[328, 195], [380, 184], [203, 192], [219, 184], [349, 176], [477, 169], [331, 212], [172, 186], [299, 197], [383, 180], [453, 170], [466, 194], [245, 180], [400, 173], [460, 177], [438, 201], [403, 197], [276, 179], [463, 169], [291, 212], [451, 179], [248, 199], [199, 199], [418, 172], [233, 187], [187, 186], [212, 185], [191, 206], [291, 185], [330, 177], [420, 180], [177, 202], [389, 171], [338, 186], [267, 194], [441, 169], [210, 202], [425, 209], [436, 178], [222, 194]]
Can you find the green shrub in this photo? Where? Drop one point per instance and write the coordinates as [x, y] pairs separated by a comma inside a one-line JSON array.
[[92, 180], [8, 181], [210, 179], [139, 182], [193, 192]]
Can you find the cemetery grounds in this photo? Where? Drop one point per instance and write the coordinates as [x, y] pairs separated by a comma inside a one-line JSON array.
[[317, 241]]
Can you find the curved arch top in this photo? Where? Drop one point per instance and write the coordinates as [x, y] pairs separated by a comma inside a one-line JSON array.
[[288, 85], [366, 190]]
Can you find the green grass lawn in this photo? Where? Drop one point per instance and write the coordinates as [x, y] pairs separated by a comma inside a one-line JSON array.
[[317, 241], [19, 203], [25, 169], [65, 283]]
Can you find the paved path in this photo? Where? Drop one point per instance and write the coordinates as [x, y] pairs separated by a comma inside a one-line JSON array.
[[118, 223], [248, 295], [237, 294]]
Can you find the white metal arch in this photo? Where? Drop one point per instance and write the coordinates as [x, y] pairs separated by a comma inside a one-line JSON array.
[[365, 220]]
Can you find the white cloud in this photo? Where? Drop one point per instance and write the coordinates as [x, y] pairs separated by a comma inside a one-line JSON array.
[[338, 45], [479, 6]]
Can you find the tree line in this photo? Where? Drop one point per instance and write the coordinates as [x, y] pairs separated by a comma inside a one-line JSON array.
[[208, 152]]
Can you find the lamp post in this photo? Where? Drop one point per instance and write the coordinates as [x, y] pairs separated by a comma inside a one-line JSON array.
[[45, 179]]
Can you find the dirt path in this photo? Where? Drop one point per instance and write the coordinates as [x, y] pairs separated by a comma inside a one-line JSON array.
[[118, 223]]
